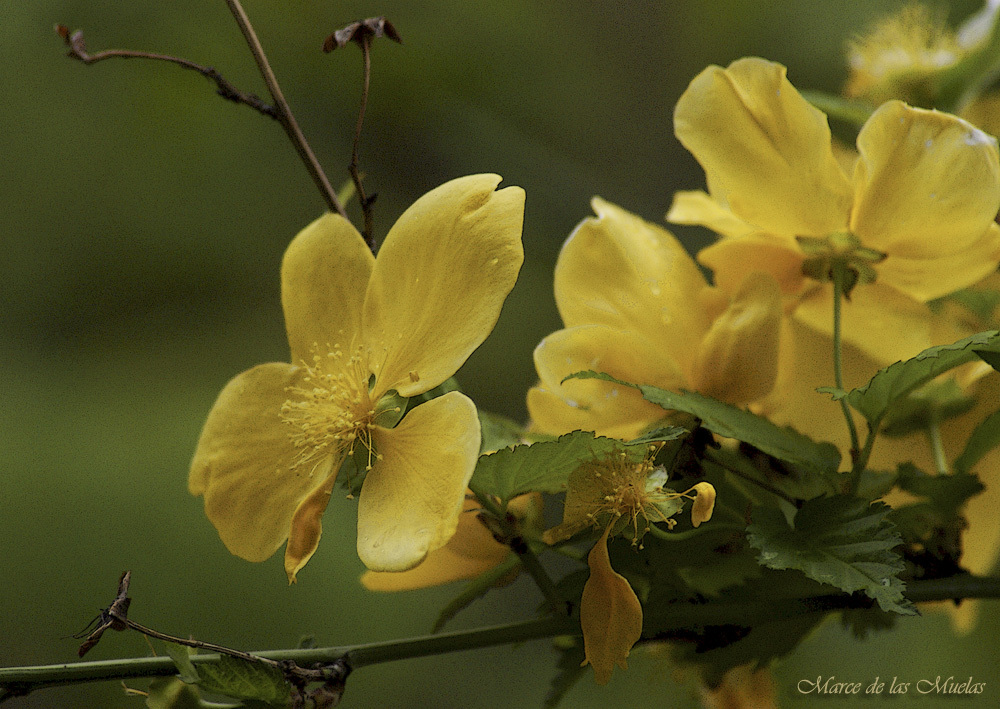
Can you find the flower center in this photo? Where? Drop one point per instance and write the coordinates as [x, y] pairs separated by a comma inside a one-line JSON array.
[[839, 249], [331, 409]]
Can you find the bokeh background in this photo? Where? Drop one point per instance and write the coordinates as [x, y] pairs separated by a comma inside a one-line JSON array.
[[144, 221]]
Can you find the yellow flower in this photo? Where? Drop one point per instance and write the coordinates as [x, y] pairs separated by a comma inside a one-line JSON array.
[[471, 552], [636, 306], [359, 328], [905, 54], [624, 497], [912, 223]]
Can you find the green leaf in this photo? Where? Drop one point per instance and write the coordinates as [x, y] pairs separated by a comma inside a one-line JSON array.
[[498, 432], [476, 588], [842, 541], [543, 466], [242, 679], [181, 656], [733, 422], [946, 493], [984, 438], [874, 399]]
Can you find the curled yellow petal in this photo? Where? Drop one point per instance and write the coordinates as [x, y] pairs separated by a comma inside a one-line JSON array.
[[610, 615], [704, 503], [306, 529], [766, 152], [412, 497], [738, 358], [623, 272], [440, 280]]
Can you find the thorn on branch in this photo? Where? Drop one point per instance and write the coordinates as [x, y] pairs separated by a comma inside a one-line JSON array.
[[360, 32], [225, 89]]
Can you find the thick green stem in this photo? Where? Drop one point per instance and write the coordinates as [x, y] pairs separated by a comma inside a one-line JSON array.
[[839, 280]]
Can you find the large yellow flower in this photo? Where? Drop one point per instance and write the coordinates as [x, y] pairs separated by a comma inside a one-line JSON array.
[[358, 328], [914, 221], [636, 306]]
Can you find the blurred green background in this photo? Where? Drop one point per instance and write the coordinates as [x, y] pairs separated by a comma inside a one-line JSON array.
[[144, 222]]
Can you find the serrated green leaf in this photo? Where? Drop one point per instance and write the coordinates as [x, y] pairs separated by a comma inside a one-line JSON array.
[[733, 422], [242, 679], [181, 656], [541, 467], [842, 541], [498, 432], [476, 588], [874, 399], [985, 437]]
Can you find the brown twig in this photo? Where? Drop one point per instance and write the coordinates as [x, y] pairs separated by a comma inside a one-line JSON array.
[[285, 116], [362, 33], [225, 89]]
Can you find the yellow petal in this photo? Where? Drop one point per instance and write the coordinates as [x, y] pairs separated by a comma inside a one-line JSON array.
[[412, 497], [242, 462], [306, 529], [766, 152], [604, 407], [738, 359], [732, 259], [323, 279], [884, 323], [440, 280], [927, 186], [929, 278], [610, 615], [704, 503], [697, 207], [472, 551], [621, 271]]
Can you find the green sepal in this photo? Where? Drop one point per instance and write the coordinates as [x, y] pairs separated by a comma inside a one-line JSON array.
[[173, 693], [842, 541], [181, 657], [390, 409], [852, 111], [733, 422], [874, 399]]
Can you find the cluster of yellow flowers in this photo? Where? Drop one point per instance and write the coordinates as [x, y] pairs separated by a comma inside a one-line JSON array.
[[908, 219]]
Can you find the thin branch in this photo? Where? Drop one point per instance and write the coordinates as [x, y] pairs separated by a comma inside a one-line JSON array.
[[285, 116], [19, 681], [362, 33], [225, 89]]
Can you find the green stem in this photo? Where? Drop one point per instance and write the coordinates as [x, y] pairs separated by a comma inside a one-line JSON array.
[[688, 534], [18, 681], [285, 116], [937, 445], [838, 369]]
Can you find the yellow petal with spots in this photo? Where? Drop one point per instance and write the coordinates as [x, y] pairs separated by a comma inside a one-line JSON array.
[[412, 497], [440, 280]]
